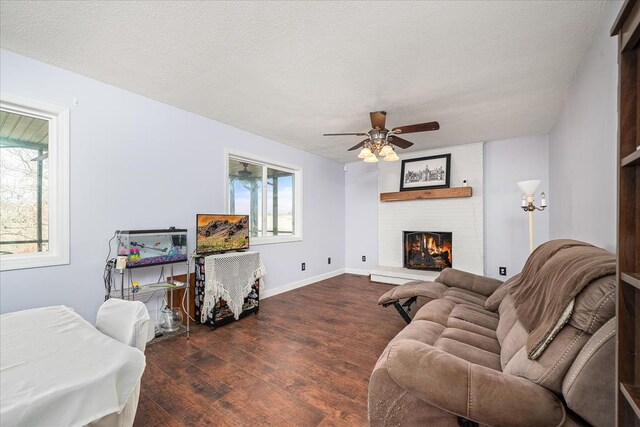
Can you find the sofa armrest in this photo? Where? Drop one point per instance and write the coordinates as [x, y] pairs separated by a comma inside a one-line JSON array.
[[469, 281], [471, 391]]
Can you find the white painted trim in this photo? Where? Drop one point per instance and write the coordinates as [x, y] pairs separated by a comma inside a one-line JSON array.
[[268, 240], [357, 271], [251, 157], [298, 195], [299, 284], [58, 117]]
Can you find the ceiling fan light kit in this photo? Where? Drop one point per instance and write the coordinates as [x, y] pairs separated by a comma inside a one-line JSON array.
[[381, 140]]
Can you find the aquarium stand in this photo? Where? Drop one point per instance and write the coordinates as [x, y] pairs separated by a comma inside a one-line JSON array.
[[147, 292]]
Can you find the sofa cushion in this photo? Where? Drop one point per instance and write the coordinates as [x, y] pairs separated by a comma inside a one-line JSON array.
[[480, 341], [465, 389], [595, 305], [475, 315], [468, 345], [544, 297], [464, 296], [437, 311], [421, 330], [461, 279], [551, 367], [463, 316], [468, 352], [493, 301], [513, 342], [589, 386], [508, 318]]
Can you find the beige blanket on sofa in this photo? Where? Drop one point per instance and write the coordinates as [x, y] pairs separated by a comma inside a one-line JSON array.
[[552, 277]]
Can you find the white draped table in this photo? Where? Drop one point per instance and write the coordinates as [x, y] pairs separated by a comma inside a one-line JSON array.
[[58, 369]]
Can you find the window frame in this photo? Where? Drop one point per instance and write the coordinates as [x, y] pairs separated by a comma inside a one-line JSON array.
[[58, 176], [297, 202]]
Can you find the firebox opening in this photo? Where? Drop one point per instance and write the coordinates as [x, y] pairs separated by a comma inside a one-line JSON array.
[[427, 250]]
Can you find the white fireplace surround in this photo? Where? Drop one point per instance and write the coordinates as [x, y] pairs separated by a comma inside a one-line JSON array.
[[462, 216]]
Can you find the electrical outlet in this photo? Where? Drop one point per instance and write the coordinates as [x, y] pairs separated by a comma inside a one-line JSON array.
[[503, 271], [364, 258], [304, 266], [329, 260]]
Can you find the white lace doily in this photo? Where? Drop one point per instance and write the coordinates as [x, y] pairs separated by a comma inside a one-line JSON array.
[[230, 277]]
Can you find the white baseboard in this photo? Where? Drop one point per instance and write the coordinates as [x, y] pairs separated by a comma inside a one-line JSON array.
[[357, 271], [300, 283]]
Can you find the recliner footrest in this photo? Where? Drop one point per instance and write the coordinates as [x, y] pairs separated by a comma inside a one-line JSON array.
[[416, 293], [418, 288]]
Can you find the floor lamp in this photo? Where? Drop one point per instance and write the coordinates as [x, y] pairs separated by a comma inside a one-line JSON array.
[[528, 189]]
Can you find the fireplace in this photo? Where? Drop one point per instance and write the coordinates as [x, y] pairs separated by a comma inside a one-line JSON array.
[[427, 250]]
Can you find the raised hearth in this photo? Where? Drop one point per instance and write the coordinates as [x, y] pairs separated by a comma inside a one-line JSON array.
[[400, 276]]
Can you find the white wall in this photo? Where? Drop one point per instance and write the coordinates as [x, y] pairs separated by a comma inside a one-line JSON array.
[[117, 136], [582, 147], [361, 220], [462, 216], [506, 225]]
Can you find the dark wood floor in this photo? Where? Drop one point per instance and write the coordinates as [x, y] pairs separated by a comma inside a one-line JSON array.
[[304, 360]]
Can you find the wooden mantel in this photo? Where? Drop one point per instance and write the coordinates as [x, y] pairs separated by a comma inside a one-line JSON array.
[[437, 193]]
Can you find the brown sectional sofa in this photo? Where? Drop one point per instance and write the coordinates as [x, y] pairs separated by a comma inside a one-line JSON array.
[[465, 355]]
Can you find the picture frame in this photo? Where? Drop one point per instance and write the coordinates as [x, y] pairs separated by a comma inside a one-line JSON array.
[[424, 173]]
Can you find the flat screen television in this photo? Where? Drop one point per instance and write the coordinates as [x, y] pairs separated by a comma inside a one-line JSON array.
[[221, 233]]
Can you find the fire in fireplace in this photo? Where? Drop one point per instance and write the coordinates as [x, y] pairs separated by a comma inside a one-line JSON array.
[[427, 250]]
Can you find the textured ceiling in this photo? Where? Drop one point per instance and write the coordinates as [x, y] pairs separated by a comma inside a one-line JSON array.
[[292, 70]]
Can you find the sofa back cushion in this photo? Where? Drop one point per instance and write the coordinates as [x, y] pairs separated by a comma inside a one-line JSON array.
[[544, 299], [593, 307], [493, 301], [589, 386]]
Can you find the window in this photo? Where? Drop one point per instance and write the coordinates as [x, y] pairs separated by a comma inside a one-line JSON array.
[[270, 194], [34, 184]]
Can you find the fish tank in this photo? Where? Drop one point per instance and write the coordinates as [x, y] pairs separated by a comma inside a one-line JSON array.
[[153, 247]]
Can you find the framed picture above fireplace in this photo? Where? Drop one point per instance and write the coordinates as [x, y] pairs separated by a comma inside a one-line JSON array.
[[425, 173]]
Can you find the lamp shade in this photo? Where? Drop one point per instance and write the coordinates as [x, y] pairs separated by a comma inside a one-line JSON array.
[[529, 187], [385, 151], [364, 153], [371, 159], [392, 156]]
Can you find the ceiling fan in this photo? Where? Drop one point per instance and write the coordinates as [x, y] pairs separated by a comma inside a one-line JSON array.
[[381, 140], [244, 173]]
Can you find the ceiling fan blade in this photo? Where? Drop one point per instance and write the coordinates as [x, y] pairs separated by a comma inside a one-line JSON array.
[[339, 134], [358, 145], [378, 119], [421, 127], [402, 143]]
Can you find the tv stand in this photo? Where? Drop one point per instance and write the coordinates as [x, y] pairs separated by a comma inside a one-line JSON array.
[[229, 269]]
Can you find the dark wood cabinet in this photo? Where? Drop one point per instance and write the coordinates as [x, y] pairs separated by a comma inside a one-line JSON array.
[[627, 29]]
